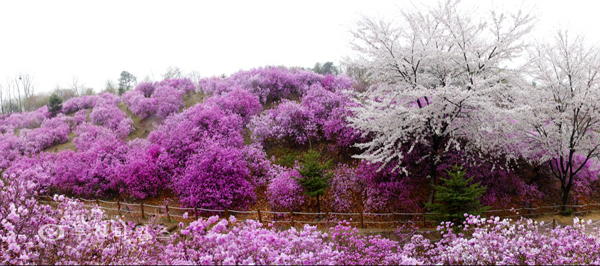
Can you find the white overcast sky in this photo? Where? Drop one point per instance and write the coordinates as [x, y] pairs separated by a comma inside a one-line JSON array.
[[96, 40]]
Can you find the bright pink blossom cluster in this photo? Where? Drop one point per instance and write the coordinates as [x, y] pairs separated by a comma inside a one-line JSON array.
[[161, 98]]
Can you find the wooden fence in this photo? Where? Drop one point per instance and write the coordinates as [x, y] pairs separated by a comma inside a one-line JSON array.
[[170, 213]]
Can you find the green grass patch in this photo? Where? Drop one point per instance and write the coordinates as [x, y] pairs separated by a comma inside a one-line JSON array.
[[63, 146], [192, 98]]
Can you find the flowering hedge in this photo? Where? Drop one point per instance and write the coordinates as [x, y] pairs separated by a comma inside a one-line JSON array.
[[69, 233]]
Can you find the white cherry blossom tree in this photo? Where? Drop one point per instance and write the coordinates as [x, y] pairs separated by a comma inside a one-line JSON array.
[[441, 78], [564, 116]]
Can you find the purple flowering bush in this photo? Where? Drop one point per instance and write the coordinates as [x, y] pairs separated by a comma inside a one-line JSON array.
[[238, 101], [185, 84], [110, 116], [288, 121], [78, 103], [168, 100], [31, 119], [69, 233], [215, 177], [139, 104], [52, 131], [284, 192]]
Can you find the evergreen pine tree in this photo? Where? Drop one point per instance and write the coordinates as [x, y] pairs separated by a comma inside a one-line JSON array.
[[456, 197], [314, 179], [54, 104]]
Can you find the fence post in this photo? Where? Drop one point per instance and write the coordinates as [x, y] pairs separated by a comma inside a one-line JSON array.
[[98, 202], [196, 212], [362, 220], [168, 215], [259, 216], [142, 208], [423, 217], [292, 218], [119, 207], [553, 224], [227, 214]]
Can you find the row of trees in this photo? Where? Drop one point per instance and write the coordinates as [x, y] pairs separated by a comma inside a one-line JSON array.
[[18, 93], [449, 77]]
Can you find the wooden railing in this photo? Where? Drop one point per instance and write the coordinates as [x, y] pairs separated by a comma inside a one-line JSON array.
[[359, 219]]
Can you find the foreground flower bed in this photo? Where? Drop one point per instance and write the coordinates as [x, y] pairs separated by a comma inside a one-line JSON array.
[[33, 233]]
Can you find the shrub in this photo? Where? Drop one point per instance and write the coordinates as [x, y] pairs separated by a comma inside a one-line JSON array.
[[456, 198], [284, 192], [216, 177]]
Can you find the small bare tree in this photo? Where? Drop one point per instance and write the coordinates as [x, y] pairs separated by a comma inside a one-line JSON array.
[[28, 86], [77, 86]]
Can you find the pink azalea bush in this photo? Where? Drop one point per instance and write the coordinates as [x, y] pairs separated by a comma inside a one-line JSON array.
[[284, 192], [31, 119], [138, 103], [110, 116], [238, 101], [288, 121], [161, 98], [52, 131], [215, 177], [184, 85], [272, 83], [499, 242], [78, 103], [33, 233], [141, 175], [168, 100]]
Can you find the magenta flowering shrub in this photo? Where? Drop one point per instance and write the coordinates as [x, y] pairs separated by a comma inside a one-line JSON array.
[[69, 233], [182, 134], [284, 192], [10, 148], [268, 83], [184, 84], [52, 131], [321, 115], [215, 177], [31, 119], [111, 117], [388, 189], [258, 164], [238, 101], [79, 117], [346, 188], [168, 100], [160, 98], [78, 103], [355, 249], [329, 109], [262, 245], [213, 85], [273, 83], [288, 121], [141, 175], [146, 88], [139, 104], [108, 98], [339, 82], [500, 242], [32, 233]]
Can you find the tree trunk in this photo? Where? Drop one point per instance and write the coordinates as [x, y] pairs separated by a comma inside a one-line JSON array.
[[318, 204], [432, 179], [565, 194], [433, 169]]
